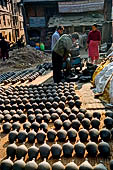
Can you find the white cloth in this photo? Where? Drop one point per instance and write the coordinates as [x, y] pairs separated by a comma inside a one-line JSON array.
[[55, 37], [103, 77], [111, 91]]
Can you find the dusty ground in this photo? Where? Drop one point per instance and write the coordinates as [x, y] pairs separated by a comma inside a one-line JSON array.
[[23, 58]]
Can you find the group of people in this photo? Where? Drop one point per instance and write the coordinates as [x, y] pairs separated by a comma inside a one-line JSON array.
[[62, 43]]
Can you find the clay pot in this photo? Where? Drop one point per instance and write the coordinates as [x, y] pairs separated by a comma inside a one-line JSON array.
[[76, 97], [58, 166], [111, 164], [97, 115], [23, 118], [80, 116], [45, 111], [55, 105], [54, 116], [15, 117], [86, 123], [92, 149], [67, 124], [61, 105], [37, 111], [83, 135], [19, 165], [75, 110], [21, 151], [86, 166], [35, 126], [51, 110], [78, 103], [71, 166], [88, 115], [95, 123], [7, 127], [44, 165], [105, 134], [13, 136], [56, 150], [11, 150], [80, 149], [7, 164], [31, 118], [39, 118], [44, 126], [67, 110], [82, 110], [46, 118], [71, 103], [31, 165], [76, 124], [33, 152], [41, 135], [72, 117], [58, 124], [108, 121], [22, 135], [48, 105], [94, 134], [63, 117], [27, 126], [7, 118], [61, 134], [1, 118], [72, 134], [109, 113], [100, 166], [44, 150], [56, 99], [68, 149], [104, 149], [31, 136], [51, 134]]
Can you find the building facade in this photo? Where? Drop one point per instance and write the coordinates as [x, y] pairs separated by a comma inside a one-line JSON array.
[[11, 20], [43, 16]]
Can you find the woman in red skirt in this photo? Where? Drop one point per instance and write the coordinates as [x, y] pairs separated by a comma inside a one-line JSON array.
[[93, 43]]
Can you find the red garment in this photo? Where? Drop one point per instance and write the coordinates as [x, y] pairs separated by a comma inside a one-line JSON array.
[[93, 50], [94, 35]]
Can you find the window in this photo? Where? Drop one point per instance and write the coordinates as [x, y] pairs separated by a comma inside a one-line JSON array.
[[9, 36], [8, 21], [4, 21]]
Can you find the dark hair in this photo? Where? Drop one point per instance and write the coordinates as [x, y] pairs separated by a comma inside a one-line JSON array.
[[60, 27], [95, 25], [75, 35]]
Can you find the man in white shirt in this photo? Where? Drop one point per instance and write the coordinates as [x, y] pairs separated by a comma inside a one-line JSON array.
[[56, 35]]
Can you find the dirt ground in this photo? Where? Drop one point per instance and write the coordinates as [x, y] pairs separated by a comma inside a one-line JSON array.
[[23, 58]]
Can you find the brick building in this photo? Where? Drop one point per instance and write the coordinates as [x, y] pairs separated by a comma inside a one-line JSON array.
[[11, 20]]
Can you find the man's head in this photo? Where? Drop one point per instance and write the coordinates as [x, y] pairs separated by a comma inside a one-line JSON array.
[[60, 29], [75, 36], [94, 27]]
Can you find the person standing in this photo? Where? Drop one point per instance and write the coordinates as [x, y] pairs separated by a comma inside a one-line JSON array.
[[56, 35], [4, 46], [93, 43], [60, 53]]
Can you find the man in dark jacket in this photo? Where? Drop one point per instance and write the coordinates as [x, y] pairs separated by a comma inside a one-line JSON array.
[[4, 46], [60, 53]]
